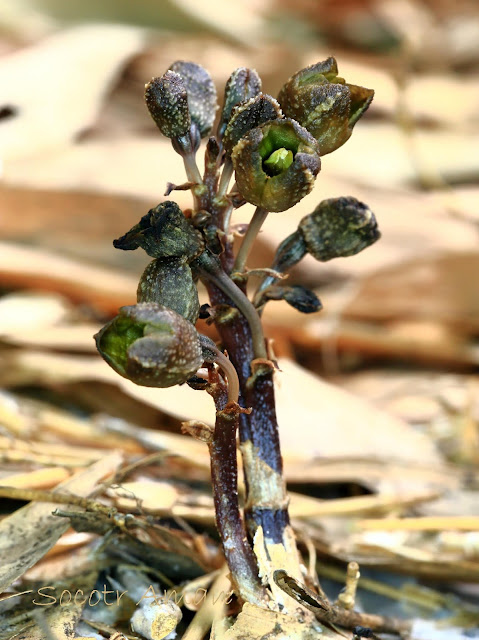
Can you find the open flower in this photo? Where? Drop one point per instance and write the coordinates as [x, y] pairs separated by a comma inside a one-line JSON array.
[[151, 345], [276, 164], [324, 103]]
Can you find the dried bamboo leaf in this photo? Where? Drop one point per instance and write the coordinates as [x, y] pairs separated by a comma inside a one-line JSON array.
[[72, 101], [27, 534]]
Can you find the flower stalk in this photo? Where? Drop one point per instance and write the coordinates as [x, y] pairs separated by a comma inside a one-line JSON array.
[[254, 228]]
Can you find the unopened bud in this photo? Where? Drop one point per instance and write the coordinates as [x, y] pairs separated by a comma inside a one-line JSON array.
[[242, 85], [163, 232], [151, 345], [299, 297], [201, 93], [171, 284], [167, 102], [324, 103], [337, 228]]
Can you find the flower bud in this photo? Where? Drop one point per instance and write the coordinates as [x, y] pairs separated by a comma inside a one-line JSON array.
[[249, 115], [271, 180], [170, 283], [289, 252], [324, 103], [201, 94], [163, 232], [242, 85], [337, 228], [167, 102], [151, 345], [299, 297]]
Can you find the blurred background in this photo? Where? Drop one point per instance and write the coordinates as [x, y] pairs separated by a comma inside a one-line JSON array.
[[398, 336], [82, 161]]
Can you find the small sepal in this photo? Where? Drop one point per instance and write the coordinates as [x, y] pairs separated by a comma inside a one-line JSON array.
[[201, 93], [339, 227], [167, 102], [276, 164], [249, 115], [163, 232], [242, 85], [151, 345], [324, 103]]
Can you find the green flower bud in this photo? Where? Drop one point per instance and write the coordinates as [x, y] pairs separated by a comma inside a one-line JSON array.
[[337, 228], [201, 94], [170, 283], [163, 232], [301, 298], [265, 177], [167, 102], [242, 85], [324, 103], [151, 345], [249, 115]]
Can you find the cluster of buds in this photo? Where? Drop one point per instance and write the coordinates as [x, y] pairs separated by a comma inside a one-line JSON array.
[[274, 147]]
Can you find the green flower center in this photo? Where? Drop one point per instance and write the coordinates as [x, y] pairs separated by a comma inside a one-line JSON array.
[[277, 149], [278, 161]]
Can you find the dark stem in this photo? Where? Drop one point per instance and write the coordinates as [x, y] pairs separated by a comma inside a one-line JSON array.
[[210, 269], [266, 503], [224, 476]]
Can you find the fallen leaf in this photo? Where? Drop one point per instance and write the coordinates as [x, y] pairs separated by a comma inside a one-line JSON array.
[[328, 422], [28, 533], [71, 71]]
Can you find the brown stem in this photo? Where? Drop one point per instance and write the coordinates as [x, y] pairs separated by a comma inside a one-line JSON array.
[[266, 504], [210, 270], [224, 476], [231, 375]]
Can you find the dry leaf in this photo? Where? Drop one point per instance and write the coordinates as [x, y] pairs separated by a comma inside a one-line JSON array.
[[28, 533], [82, 224], [31, 311], [64, 79], [328, 422], [33, 268], [445, 285]]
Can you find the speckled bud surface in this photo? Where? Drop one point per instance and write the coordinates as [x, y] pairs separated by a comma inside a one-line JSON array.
[[248, 115], [324, 103], [151, 345], [338, 227], [170, 283], [163, 232], [201, 94], [242, 85], [167, 102]]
